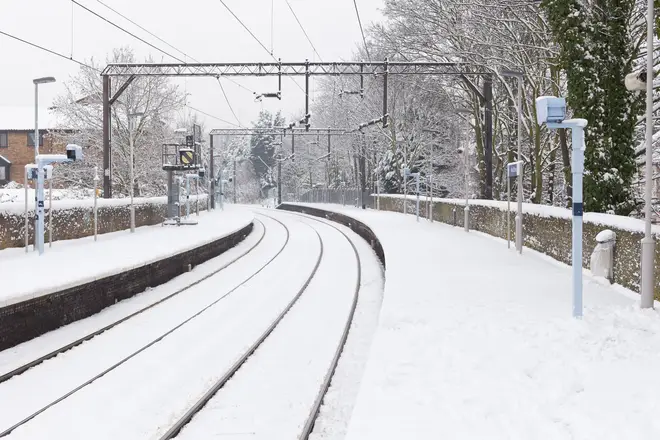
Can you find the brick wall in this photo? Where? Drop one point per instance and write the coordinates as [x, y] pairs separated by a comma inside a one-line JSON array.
[[20, 154], [29, 319]]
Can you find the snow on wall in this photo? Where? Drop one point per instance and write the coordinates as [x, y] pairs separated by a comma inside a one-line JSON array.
[[75, 218], [546, 229]]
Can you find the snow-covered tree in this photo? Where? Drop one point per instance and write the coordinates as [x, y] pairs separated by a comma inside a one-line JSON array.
[[79, 110]]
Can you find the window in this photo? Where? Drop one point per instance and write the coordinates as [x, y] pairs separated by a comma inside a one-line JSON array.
[[4, 139], [3, 173], [30, 139]]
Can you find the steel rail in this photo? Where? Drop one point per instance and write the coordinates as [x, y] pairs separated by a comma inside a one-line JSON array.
[[188, 416], [22, 369], [160, 338]]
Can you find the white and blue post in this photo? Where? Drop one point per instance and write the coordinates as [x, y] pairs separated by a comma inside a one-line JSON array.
[[551, 111]]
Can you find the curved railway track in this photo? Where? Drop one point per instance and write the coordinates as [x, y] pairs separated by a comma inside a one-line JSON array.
[[23, 368], [18, 371], [309, 421]]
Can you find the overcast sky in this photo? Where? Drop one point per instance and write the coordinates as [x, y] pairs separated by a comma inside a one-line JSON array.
[[203, 29]]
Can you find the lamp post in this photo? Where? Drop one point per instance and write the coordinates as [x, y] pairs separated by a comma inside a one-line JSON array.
[[519, 79], [648, 244], [36, 82], [131, 166]]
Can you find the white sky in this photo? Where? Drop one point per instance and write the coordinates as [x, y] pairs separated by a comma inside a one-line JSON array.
[[203, 29]]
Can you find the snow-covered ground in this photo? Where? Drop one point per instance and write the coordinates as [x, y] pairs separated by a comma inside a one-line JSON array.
[[475, 341], [143, 396], [271, 396], [21, 354], [74, 262]]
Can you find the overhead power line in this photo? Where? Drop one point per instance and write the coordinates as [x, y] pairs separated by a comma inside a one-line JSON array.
[[50, 51], [303, 29], [127, 32], [228, 103], [246, 28], [364, 40], [211, 116], [147, 31]]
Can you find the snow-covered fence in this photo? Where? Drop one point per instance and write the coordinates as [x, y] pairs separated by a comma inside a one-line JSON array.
[[75, 218], [547, 229]]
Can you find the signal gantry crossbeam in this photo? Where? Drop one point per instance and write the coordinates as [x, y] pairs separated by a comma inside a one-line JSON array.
[[381, 69]]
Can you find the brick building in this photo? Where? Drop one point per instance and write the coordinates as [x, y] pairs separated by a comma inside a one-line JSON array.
[[17, 141]]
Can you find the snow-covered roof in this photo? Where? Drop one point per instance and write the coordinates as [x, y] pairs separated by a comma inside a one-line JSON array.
[[22, 118], [3, 158]]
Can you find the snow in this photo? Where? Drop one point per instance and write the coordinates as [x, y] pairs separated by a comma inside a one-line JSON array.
[[615, 221], [292, 362], [69, 265], [144, 396], [605, 235], [476, 341], [21, 354]]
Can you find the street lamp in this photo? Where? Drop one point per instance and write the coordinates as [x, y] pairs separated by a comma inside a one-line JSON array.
[[644, 81], [130, 143], [44, 80], [37, 81], [519, 77]]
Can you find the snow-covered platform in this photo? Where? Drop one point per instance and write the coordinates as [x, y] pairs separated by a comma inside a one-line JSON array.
[[477, 342], [74, 262]]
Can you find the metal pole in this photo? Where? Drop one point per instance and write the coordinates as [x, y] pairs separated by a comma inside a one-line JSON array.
[[130, 143], [508, 210], [431, 187], [36, 153], [405, 193], [466, 210], [279, 181], [197, 196], [417, 189], [488, 147], [648, 244], [107, 159], [578, 168], [234, 181], [50, 212], [222, 190], [27, 222], [519, 215], [40, 208], [187, 196], [212, 173], [96, 216], [378, 194]]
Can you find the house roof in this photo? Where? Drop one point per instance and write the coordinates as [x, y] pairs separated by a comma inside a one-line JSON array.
[[3, 158], [21, 118]]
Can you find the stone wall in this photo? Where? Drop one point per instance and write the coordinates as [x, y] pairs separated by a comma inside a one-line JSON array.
[[77, 222], [26, 320], [547, 234]]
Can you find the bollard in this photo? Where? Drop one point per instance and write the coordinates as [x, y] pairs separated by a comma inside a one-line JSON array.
[[602, 258]]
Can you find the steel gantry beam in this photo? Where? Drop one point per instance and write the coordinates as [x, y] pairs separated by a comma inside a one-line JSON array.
[[280, 131], [381, 69], [292, 69]]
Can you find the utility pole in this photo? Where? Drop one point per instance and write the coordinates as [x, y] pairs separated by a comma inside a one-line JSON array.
[[488, 147], [212, 173], [279, 181], [234, 179]]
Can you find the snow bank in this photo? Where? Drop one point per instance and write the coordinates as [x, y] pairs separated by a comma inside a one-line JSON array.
[[71, 263], [615, 221], [475, 341]]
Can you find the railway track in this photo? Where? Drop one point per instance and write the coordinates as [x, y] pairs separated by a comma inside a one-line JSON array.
[[23, 368], [314, 408], [18, 371], [190, 410]]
